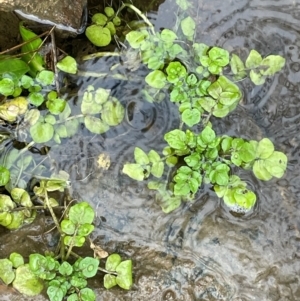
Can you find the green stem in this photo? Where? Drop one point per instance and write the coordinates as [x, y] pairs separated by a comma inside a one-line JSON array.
[[96, 74], [70, 118], [139, 13], [52, 213], [71, 244], [107, 272]]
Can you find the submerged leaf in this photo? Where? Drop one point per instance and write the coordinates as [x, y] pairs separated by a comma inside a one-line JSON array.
[[134, 171]]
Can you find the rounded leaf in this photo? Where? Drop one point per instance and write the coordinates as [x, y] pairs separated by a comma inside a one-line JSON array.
[[67, 64], [89, 266], [98, 35], [82, 213], [26, 282], [95, 125], [112, 262], [6, 271], [156, 79], [41, 132]]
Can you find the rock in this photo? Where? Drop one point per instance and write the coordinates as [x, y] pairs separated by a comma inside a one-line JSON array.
[[66, 15]]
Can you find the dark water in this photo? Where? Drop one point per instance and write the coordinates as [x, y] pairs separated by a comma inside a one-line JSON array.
[[202, 251]]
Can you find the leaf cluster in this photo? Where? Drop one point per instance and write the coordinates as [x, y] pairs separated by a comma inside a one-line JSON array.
[[103, 27], [64, 279], [123, 269]]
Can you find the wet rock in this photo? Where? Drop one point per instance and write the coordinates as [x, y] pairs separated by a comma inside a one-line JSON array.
[[64, 14]]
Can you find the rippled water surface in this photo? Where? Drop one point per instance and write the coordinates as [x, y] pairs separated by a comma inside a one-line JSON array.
[[202, 251]]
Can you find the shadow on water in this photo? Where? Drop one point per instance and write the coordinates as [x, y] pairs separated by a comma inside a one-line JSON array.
[[202, 251]]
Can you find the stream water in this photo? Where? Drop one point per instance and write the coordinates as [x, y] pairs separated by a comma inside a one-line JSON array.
[[201, 251]]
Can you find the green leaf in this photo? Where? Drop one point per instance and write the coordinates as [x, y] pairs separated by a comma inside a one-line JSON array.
[[89, 104], [68, 227], [276, 164], [41, 132], [168, 35], [156, 79], [45, 77], [272, 64], [85, 229], [20, 196], [7, 86], [68, 64], [16, 259], [225, 91], [6, 271], [208, 135], [89, 266], [254, 59], [176, 71], [264, 149], [170, 203], [95, 125], [183, 4], [36, 98], [4, 176], [181, 188], [76, 241], [15, 66], [32, 116], [136, 38], [73, 297], [237, 67], [99, 19], [124, 278], [26, 282], [109, 281], [65, 269], [153, 156], [191, 117], [113, 112], [98, 35], [87, 294], [219, 56], [56, 106], [157, 169], [260, 171], [109, 11], [78, 282], [134, 171], [176, 139], [112, 262], [81, 213], [257, 78], [55, 293], [17, 220], [247, 152], [188, 27], [34, 59], [140, 156]]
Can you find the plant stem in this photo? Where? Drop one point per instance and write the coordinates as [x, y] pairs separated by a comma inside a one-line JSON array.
[[107, 272], [52, 213], [71, 245], [70, 118], [96, 74], [139, 13]]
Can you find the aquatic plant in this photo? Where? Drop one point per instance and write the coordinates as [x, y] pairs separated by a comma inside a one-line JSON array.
[[54, 269], [198, 86]]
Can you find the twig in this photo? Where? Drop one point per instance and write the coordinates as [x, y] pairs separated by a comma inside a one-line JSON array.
[[139, 13], [99, 54], [24, 43], [54, 57]]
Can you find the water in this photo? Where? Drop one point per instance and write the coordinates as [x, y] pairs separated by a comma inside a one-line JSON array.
[[202, 251]]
